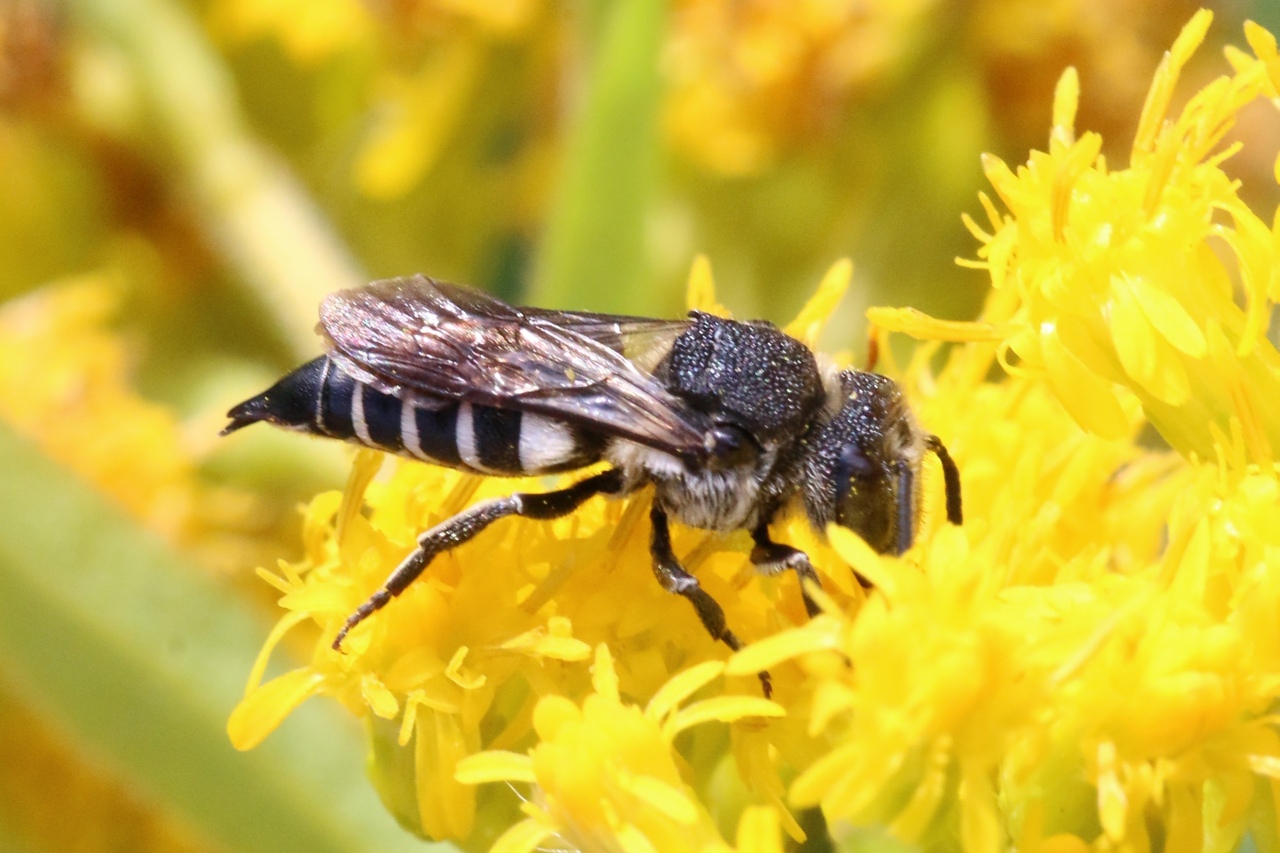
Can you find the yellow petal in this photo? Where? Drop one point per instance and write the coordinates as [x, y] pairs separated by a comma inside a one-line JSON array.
[[783, 646], [465, 678], [681, 686], [670, 801], [603, 676], [260, 712], [286, 623], [1091, 401], [808, 324], [758, 831], [525, 837], [1113, 802], [724, 709], [700, 293], [1265, 765], [979, 823], [446, 807], [379, 699], [540, 643], [1170, 319], [855, 551], [922, 327], [495, 766], [1066, 100], [363, 469]]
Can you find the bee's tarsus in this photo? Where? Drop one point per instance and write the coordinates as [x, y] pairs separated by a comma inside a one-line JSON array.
[[675, 579], [770, 556]]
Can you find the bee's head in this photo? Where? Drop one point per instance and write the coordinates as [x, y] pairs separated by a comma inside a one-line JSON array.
[[862, 467]]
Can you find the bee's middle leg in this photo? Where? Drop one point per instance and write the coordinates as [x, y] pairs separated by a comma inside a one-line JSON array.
[[769, 557], [466, 524], [675, 579]]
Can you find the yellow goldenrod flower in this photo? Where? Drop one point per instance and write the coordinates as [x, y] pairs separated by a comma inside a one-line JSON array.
[[605, 774], [1090, 662], [1087, 662], [749, 80]]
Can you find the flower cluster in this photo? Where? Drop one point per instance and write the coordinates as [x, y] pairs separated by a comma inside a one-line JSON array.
[[1090, 662]]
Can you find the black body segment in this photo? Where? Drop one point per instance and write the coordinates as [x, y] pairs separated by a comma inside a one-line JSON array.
[[497, 439], [431, 433], [321, 399], [382, 414], [293, 402], [337, 393], [750, 375]]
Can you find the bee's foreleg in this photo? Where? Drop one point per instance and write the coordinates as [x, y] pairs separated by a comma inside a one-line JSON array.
[[675, 579], [771, 557], [465, 525]]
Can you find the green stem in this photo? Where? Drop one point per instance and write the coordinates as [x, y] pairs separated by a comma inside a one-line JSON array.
[[593, 254], [251, 206]]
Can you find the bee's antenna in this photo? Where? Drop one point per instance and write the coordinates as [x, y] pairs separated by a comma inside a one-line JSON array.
[[951, 477]]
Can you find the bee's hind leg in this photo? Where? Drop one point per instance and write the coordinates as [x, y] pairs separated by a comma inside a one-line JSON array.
[[771, 557], [675, 579], [466, 524]]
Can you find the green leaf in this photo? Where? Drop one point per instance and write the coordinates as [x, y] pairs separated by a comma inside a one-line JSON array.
[[140, 657], [593, 252]]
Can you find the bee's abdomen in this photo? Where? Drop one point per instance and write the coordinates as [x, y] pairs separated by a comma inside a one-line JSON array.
[[319, 398]]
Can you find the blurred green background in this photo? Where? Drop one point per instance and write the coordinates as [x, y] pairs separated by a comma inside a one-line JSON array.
[[182, 182]]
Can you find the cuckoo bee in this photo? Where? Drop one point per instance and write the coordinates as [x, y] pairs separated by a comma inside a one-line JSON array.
[[727, 421]]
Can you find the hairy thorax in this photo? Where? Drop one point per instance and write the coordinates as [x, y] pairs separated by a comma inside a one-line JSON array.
[[723, 500]]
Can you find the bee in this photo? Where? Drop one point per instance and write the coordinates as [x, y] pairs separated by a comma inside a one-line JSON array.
[[728, 422]]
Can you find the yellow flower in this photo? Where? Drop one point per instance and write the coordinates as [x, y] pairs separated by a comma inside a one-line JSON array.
[[1090, 662], [750, 80], [605, 774], [1086, 662]]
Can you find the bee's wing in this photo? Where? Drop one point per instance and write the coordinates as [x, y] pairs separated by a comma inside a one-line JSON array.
[[414, 337]]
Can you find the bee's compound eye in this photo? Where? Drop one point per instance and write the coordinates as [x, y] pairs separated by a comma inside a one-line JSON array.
[[864, 500], [854, 463], [730, 446]]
